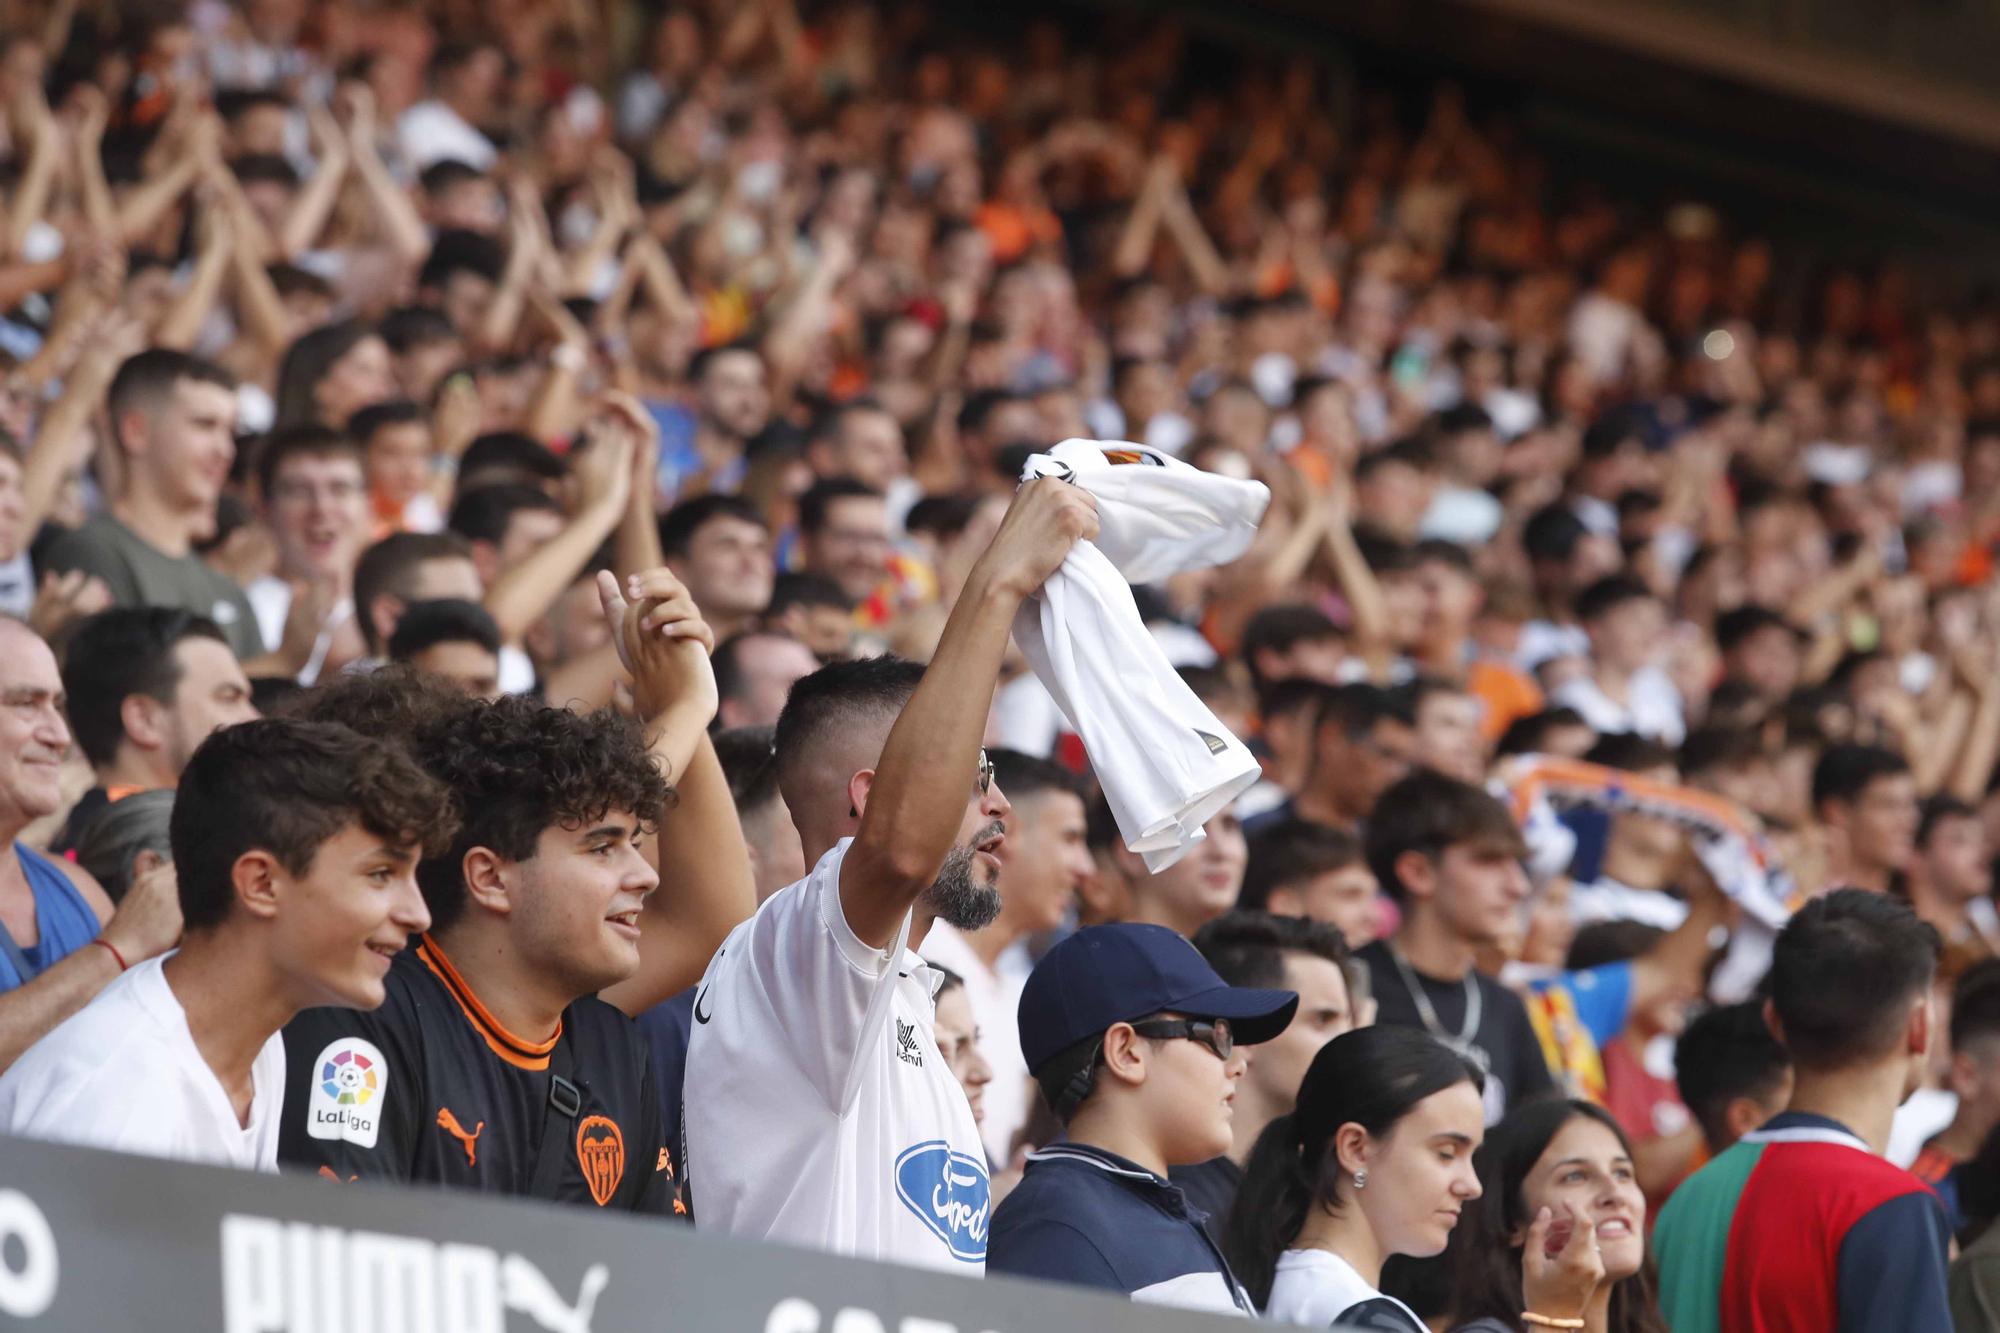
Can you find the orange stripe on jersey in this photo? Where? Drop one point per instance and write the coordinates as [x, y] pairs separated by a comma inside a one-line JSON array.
[[516, 1051]]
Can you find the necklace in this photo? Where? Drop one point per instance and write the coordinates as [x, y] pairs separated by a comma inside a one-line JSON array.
[[1462, 1041]]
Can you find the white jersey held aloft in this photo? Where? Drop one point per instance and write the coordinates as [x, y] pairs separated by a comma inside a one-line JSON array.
[[1166, 764], [818, 1109]]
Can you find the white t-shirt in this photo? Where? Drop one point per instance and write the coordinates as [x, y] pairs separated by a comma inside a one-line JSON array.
[[123, 1073], [431, 132], [995, 995], [1652, 708], [271, 598], [1317, 1288], [818, 1109]]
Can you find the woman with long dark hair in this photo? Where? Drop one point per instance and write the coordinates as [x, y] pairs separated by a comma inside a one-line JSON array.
[[333, 372], [1376, 1160], [1560, 1231]]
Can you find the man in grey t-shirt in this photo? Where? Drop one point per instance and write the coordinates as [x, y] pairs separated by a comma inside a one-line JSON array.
[[171, 420]]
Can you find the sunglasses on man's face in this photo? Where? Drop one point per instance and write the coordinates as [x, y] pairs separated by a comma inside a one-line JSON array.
[[1213, 1033], [985, 779]]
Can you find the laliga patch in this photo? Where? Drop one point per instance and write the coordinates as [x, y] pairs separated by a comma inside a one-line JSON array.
[[949, 1193], [350, 1085]]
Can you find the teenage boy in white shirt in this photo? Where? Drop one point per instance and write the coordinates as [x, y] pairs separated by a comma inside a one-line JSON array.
[[296, 846], [818, 1108]]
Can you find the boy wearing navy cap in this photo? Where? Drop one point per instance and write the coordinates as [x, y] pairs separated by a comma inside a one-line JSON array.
[[1134, 1040]]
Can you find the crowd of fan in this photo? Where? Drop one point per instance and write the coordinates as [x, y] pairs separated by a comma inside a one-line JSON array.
[[515, 403]]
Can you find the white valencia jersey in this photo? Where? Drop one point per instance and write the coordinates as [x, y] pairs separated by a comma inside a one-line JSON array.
[[1166, 764], [818, 1110]]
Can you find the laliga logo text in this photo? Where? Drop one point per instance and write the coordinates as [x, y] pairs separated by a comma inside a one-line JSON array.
[[292, 1277]]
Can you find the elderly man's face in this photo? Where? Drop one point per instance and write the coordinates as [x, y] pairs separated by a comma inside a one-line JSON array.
[[34, 738]]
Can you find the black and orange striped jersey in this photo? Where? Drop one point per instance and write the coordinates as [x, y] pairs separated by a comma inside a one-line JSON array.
[[431, 1088]]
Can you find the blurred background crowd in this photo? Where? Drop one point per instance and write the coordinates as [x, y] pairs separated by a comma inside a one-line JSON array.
[[371, 331]]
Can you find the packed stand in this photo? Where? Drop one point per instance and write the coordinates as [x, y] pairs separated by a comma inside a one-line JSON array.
[[516, 514]]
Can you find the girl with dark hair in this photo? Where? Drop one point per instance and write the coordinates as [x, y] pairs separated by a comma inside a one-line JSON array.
[[333, 372], [1376, 1161], [1560, 1233]]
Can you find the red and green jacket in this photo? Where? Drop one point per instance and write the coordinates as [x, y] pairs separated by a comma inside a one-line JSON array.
[[1799, 1226]]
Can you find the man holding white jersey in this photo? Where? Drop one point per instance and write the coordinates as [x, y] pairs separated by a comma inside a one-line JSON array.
[[819, 1111]]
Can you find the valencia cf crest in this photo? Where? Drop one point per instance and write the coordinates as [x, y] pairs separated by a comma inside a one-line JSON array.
[[600, 1151]]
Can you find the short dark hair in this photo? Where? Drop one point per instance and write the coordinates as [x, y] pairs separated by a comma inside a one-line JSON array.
[[1601, 943], [1844, 972], [424, 625], [116, 654], [1710, 748], [807, 590], [306, 441], [700, 363], [1530, 734], [484, 513], [750, 766], [1936, 810], [941, 516], [409, 327], [452, 55], [1437, 550], [1023, 775], [512, 449], [1975, 1004], [1738, 624], [517, 767], [146, 379], [1843, 772], [1100, 826], [285, 786], [1356, 708], [1629, 752], [727, 661], [1282, 628], [1249, 948], [460, 251], [1428, 812], [1608, 594], [387, 567], [445, 173], [1290, 852], [361, 427], [289, 280], [264, 169], [1725, 1053], [679, 525], [837, 697], [1279, 698], [815, 503], [1552, 533]]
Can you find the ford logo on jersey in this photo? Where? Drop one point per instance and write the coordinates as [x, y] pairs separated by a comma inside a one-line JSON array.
[[950, 1193]]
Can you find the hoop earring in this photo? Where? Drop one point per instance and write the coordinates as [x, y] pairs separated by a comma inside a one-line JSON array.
[[1361, 1180]]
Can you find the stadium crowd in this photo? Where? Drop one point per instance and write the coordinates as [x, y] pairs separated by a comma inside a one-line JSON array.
[[511, 518]]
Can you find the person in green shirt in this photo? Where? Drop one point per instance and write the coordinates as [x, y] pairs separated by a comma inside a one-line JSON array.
[[172, 418]]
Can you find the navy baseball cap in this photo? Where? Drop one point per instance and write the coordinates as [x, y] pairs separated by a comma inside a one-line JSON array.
[[1126, 972]]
